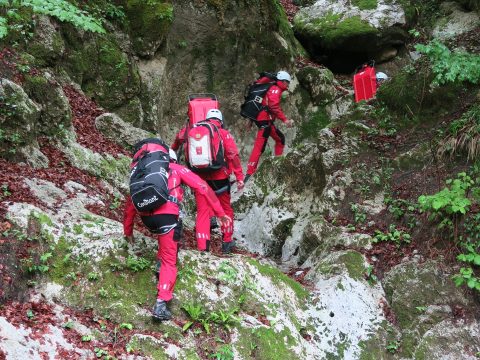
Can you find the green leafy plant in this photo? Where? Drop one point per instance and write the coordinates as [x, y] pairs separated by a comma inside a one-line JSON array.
[[225, 352], [60, 9], [87, 338], [359, 215], [393, 346], [370, 275], [92, 276], [135, 263], [227, 272], [448, 205], [225, 318], [68, 325], [393, 234], [196, 313], [448, 66], [126, 326]]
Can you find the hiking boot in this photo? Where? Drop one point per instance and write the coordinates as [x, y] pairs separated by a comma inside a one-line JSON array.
[[246, 178], [227, 247], [213, 223], [160, 311]]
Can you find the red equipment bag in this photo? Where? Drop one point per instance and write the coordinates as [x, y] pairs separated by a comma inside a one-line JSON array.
[[204, 148], [198, 106], [365, 82]]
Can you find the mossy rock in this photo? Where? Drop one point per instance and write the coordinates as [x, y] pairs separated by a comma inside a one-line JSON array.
[[365, 4], [409, 286], [470, 4], [149, 23], [19, 117], [56, 115], [47, 44], [300, 170], [333, 31], [105, 72]]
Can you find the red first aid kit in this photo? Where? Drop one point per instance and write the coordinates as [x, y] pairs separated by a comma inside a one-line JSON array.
[[198, 106], [365, 83]]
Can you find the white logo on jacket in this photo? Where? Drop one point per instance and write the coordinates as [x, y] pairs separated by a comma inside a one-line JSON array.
[[147, 201]]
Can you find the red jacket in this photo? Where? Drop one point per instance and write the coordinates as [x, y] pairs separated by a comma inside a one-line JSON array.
[[178, 175], [272, 99], [232, 159]]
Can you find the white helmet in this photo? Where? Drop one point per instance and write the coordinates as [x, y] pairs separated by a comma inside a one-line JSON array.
[[214, 114], [173, 155], [381, 76], [283, 75]]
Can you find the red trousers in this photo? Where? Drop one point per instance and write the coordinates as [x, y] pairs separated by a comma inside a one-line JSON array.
[[167, 254], [260, 144], [204, 213]]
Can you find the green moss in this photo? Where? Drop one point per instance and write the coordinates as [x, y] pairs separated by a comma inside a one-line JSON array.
[[365, 4], [315, 122], [265, 343], [149, 347], [149, 22], [354, 263], [333, 31], [280, 278]]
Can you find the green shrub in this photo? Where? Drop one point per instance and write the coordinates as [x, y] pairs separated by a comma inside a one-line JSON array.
[[450, 67]]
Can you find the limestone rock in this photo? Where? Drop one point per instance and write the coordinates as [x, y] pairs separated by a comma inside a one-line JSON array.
[[18, 118], [117, 130], [357, 30], [411, 284], [149, 22], [56, 114], [47, 44], [450, 340], [320, 83], [457, 21]]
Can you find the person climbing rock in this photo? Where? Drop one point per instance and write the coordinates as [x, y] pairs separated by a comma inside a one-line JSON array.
[[217, 179], [265, 122], [164, 220]]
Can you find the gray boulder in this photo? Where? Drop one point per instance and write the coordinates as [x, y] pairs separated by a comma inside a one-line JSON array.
[[117, 130], [47, 44], [455, 22], [18, 117], [320, 83]]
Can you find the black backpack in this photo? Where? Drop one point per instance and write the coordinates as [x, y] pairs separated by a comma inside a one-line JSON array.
[[254, 93], [149, 175]]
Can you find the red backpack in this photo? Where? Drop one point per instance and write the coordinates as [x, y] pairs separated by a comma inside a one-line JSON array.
[[204, 147]]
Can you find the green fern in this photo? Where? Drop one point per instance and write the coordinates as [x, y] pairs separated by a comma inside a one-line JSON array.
[[60, 9]]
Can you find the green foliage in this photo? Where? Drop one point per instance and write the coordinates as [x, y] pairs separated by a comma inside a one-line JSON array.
[[3, 27], [135, 263], [470, 243], [393, 346], [450, 203], [450, 206], [359, 215], [448, 66], [224, 353], [225, 318], [370, 275], [60, 9], [365, 4], [393, 234], [227, 272]]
